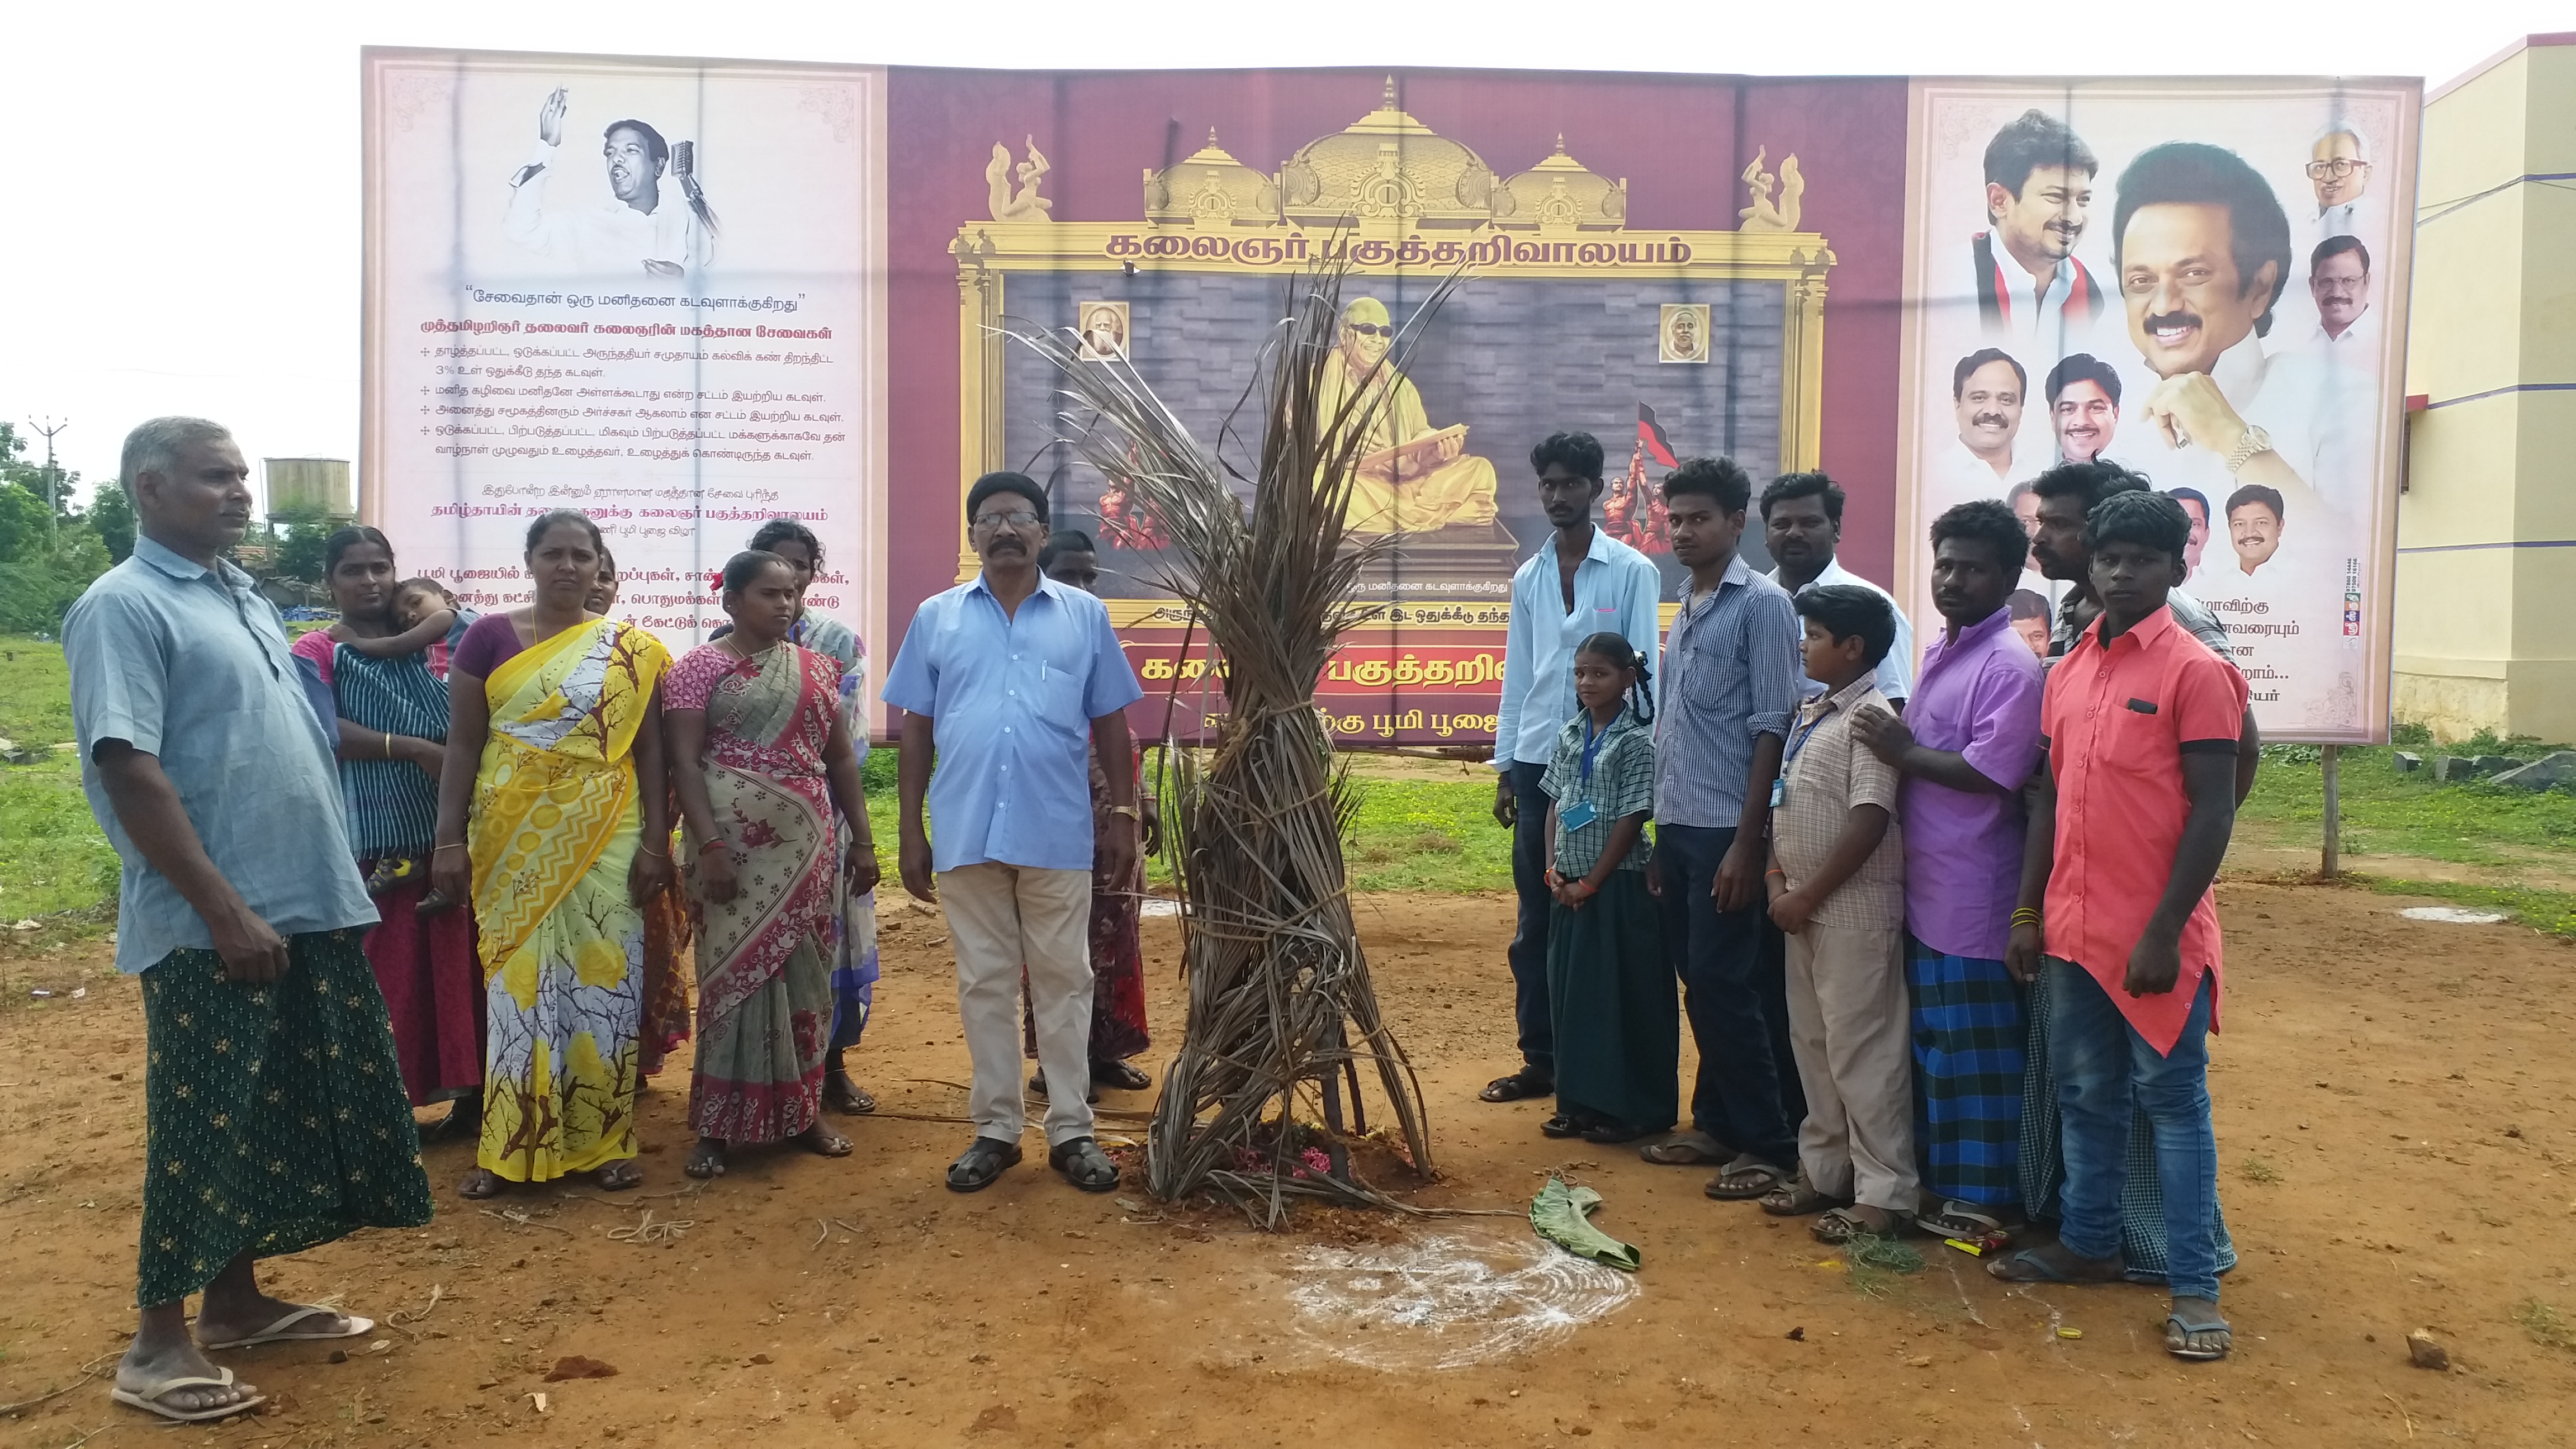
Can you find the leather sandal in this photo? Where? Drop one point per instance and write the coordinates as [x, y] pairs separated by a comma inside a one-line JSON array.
[[1120, 1076], [1519, 1085], [1083, 1164], [981, 1163]]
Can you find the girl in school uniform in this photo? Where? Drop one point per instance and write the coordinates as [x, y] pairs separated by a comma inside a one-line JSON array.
[[1610, 987]]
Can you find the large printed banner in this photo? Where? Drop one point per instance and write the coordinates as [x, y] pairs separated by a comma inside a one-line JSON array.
[[689, 296], [649, 291], [2205, 283]]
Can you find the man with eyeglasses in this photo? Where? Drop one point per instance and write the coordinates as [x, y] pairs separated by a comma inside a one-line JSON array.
[[1013, 680], [1409, 477], [2339, 172]]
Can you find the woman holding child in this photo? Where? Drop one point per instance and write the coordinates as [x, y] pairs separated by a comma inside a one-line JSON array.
[[377, 679]]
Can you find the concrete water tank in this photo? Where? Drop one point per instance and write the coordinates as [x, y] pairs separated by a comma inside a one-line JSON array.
[[309, 485]]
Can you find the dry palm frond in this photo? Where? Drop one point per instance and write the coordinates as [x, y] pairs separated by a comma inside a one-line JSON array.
[[1281, 1008]]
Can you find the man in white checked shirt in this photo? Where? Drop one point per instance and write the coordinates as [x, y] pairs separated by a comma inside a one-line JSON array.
[[1580, 582]]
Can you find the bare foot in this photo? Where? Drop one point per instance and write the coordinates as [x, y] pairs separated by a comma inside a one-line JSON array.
[[482, 1182], [822, 1141], [707, 1159]]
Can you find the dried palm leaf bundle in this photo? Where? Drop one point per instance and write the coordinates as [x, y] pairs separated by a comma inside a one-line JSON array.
[[1282, 1016]]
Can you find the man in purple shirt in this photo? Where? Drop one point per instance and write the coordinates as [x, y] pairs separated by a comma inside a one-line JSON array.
[[1969, 738]]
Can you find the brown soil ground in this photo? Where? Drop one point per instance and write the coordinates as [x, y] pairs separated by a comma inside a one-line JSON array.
[[2393, 1116]]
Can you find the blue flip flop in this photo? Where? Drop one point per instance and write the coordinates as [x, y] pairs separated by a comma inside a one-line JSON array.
[[2178, 1332]]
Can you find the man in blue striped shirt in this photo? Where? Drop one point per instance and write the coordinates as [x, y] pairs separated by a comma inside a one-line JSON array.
[[1730, 683], [1580, 582]]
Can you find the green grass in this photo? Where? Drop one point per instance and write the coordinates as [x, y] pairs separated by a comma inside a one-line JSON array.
[[1438, 834], [2546, 1325], [35, 692], [2388, 813], [52, 857]]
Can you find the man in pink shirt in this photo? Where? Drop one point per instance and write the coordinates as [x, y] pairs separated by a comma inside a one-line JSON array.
[[2129, 826], [1967, 743]]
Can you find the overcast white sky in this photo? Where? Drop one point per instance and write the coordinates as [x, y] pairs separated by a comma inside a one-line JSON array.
[[182, 234]]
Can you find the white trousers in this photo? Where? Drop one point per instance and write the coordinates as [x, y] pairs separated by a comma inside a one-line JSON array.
[[1851, 1024], [1001, 917]]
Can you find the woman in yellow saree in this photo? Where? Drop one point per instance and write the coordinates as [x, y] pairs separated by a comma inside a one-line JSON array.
[[555, 743]]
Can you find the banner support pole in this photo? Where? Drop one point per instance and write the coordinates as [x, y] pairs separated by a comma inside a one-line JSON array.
[[2331, 757]]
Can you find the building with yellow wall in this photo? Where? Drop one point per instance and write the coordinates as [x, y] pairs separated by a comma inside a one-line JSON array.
[[2486, 530]]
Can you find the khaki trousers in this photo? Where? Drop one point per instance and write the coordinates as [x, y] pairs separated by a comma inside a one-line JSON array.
[[1001, 917], [1850, 1024]]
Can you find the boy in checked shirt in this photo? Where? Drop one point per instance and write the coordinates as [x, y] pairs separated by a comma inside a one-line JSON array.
[[1837, 890]]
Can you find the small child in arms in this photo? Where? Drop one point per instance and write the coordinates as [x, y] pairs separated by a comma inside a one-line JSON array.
[[425, 612], [428, 616]]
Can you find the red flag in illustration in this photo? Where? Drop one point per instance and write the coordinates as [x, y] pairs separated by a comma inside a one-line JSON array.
[[1651, 433]]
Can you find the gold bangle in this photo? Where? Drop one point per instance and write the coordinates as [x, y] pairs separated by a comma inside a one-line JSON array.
[[453, 845], [656, 854]]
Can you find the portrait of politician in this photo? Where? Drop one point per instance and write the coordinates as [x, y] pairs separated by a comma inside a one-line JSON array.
[[2039, 191], [1410, 477], [2339, 283], [2202, 249], [2339, 172], [1987, 390], [2254, 516], [2083, 406], [641, 231]]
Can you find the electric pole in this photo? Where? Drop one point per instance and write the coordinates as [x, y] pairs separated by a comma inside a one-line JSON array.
[[52, 480]]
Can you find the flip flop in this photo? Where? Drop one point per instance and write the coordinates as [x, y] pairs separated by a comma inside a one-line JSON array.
[[148, 1398], [1693, 1148], [1772, 1176], [2027, 1266], [2178, 1334], [277, 1332]]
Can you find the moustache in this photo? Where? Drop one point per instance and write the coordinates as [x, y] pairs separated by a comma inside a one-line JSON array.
[[2158, 321], [1990, 420]]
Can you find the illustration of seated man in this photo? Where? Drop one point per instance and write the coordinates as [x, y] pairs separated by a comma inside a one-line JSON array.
[[1411, 477]]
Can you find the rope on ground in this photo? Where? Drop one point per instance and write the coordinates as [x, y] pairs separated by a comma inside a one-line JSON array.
[[520, 1217], [648, 1232]]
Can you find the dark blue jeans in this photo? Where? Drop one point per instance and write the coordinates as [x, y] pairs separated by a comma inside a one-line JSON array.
[[1735, 992], [1528, 953], [2105, 1073]]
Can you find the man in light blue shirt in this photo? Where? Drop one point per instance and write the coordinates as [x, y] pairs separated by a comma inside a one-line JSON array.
[[274, 1112], [1802, 525], [1579, 583], [1014, 679]]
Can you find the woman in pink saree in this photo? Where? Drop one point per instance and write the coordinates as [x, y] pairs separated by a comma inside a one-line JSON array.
[[763, 762]]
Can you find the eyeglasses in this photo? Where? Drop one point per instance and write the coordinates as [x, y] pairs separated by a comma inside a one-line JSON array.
[[1017, 518], [2338, 168], [1370, 329]]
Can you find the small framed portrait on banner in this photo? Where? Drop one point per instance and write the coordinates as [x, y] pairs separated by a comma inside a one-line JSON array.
[[1682, 336], [1104, 331]]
